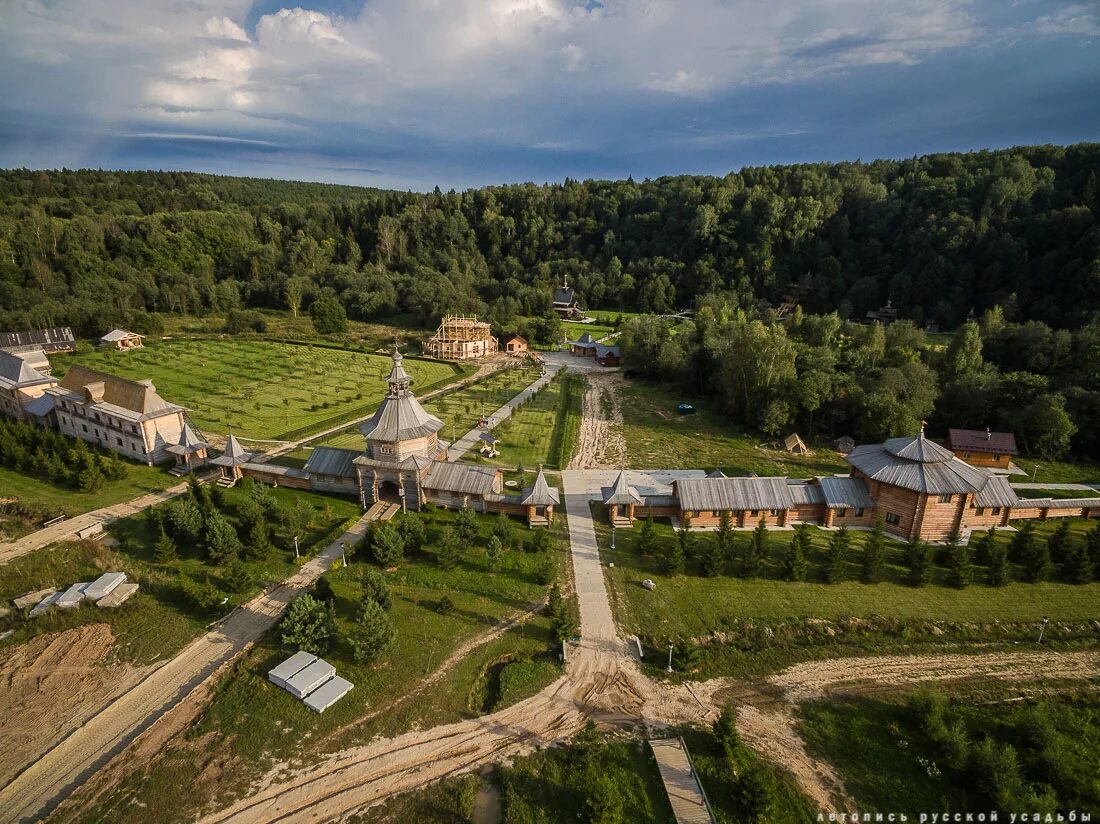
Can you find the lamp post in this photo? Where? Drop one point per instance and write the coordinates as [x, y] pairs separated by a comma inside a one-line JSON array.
[[401, 493], [343, 556], [296, 555], [1034, 472], [612, 535], [1042, 628], [669, 657]]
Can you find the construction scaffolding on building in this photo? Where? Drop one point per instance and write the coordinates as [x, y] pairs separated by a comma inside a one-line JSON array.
[[462, 338]]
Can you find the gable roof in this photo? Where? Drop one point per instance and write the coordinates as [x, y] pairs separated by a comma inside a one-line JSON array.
[[49, 340], [511, 336], [139, 397], [999, 443], [540, 494], [917, 464], [564, 294], [997, 492], [621, 492], [15, 372], [803, 493], [116, 335], [733, 493], [461, 479]]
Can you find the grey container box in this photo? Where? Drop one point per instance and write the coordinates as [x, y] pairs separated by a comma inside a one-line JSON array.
[[104, 585]]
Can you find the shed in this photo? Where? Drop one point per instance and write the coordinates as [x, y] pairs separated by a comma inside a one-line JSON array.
[[795, 445], [328, 694], [515, 344], [290, 667], [104, 585], [122, 339], [309, 678]]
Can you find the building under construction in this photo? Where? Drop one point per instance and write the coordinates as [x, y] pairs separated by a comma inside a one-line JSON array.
[[462, 338]]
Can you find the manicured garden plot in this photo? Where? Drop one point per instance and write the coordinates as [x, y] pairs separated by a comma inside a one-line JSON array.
[[262, 389], [543, 430], [434, 610], [657, 436]]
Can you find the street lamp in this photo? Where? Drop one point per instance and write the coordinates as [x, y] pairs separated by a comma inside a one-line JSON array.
[[296, 555], [343, 556], [1042, 628], [401, 493], [1034, 472], [612, 535], [669, 657]]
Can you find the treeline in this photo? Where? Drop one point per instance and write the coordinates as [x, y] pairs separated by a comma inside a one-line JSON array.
[[823, 375], [937, 235]]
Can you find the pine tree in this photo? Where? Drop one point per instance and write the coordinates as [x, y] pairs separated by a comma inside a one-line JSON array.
[[450, 550], [165, 550], [1077, 566], [725, 730], [466, 525], [724, 534], [372, 583], [960, 572], [503, 531], [308, 625], [918, 556], [547, 569], [1092, 542], [982, 549], [795, 564], [836, 555], [1022, 542], [1057, 542], [387, 544], [237, 576], [1035, 561], [372, 633], [713, 558], [647, 536], [873, 551], [998, 565], [676, 556], [412, 532], [222, 542], [756, 551], [259, 540], [493, 553], [561, 622]]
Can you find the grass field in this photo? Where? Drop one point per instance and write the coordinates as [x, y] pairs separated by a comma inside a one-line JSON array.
[[253, 723], [139, 480], [573, 331], [889, 764], [157, 621], [458, 409], [263, 389], [693, 606], [543, 430], [1057, 472], [657, 436]]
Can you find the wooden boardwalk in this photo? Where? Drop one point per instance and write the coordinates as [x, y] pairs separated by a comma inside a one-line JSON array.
[[685, 793]]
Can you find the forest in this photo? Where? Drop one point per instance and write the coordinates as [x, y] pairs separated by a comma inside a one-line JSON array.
[[939, 236]]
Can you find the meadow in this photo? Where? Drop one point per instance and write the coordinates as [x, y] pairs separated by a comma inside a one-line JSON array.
[[263, 389], [138, 480], [434, 610]]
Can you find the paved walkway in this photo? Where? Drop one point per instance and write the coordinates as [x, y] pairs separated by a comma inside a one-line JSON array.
[[470, 439], [48, 780], [597, 622], [70, 526], [689, 805]]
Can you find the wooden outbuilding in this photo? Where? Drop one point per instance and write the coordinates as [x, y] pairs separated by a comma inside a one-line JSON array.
[[977, 448], [232, 461], [515, 344], [621, 499], [795, 445], [539, 499], [121, 339]]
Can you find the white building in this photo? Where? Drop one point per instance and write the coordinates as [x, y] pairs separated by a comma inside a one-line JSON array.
[[20, 385]]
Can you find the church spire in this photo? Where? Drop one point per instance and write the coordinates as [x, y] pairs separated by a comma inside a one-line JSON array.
[[398, 379]]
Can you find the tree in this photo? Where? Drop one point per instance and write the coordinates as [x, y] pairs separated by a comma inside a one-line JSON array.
[[603, 801], [561, 622], [372, 633], [466, 524], [713, 558], [725, 730], [413, 532], [676, 555], [292, 293], [184, 520], [836, 555], [724, 535], [1058, 542], [222, 542], [964, 353], [259, 540], [982, 549], [873, 551], [493, 553], [1022, 542], [647, 537], [451, 549], [387, 544], [328, 315], [90, 480], [237, 576], [547, 569], [1092, 541], [1035, 560], [960, 571], [997, 574], [308, 625], [165, 550], [918, 556], [756, 551], [503, 531], [373, 587], [795, 564], [204, 596]]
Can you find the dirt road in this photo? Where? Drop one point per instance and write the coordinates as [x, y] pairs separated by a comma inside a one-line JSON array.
[[49, 779], [600, 442]]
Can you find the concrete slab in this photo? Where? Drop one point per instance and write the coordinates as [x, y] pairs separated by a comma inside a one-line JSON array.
[[290, 667], [73, 596], [104, 584], [309, 679], [46, 603], [32, 598], [118, 595], [328, 694]]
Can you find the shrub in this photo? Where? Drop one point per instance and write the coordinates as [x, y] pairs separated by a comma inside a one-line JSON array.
[[374, 588]]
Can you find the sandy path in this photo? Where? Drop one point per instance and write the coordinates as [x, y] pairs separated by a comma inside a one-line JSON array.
[[53, 684], [600, 442], [49, 779]]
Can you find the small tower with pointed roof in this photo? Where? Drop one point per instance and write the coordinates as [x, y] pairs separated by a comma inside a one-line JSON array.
[[401, 428], [540, 499], [621, 499]]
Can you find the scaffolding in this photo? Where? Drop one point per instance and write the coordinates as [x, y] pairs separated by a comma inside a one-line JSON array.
[[462, 338]]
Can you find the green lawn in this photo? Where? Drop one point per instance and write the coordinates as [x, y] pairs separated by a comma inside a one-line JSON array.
[[253, 723], [768, 613], [157, 621], [140, 479], [1057, 472], [889, 764], [543, 430], [573, 331], [263, 389], [657, 436]]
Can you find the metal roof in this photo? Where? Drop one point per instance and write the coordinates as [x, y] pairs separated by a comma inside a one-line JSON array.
[[189, 442], [1058, 503], [461, 478], [330, 460], [718, 473], [563, 294], [40, 406], [116, 335], [276, 469], [49, 340], [996, 492], [917, 464], [805, 493], [621, 492], [733, 493], [845, 493], [541, 494], [101, 388], [999, 443], [16, 372], [234, 453]]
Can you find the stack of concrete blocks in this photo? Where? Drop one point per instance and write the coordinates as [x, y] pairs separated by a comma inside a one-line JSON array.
[[108, 590], [312, 679]]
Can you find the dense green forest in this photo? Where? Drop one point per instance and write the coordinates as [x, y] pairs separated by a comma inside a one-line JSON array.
[[938, 235]]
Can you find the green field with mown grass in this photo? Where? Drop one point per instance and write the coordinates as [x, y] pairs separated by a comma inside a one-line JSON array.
[[543, 430], [255, 724], [139, 480], [263, 389]]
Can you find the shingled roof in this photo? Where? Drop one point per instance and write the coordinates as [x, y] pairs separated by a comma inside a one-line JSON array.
[[621, 492], [400, 416], [975, 440], [541, 493], [917, 464]]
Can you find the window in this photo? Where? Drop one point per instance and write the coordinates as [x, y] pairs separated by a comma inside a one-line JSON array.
[[945, 499], [385, 450], [840, 513], [859, 512], [134, 428], [996, 510], [119, 440], [775, 513], [981, 510], [754, 512], [84, 426], [893, 519], [717, 513]]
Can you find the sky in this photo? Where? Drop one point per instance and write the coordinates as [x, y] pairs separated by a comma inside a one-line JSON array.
[[413, 94]]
